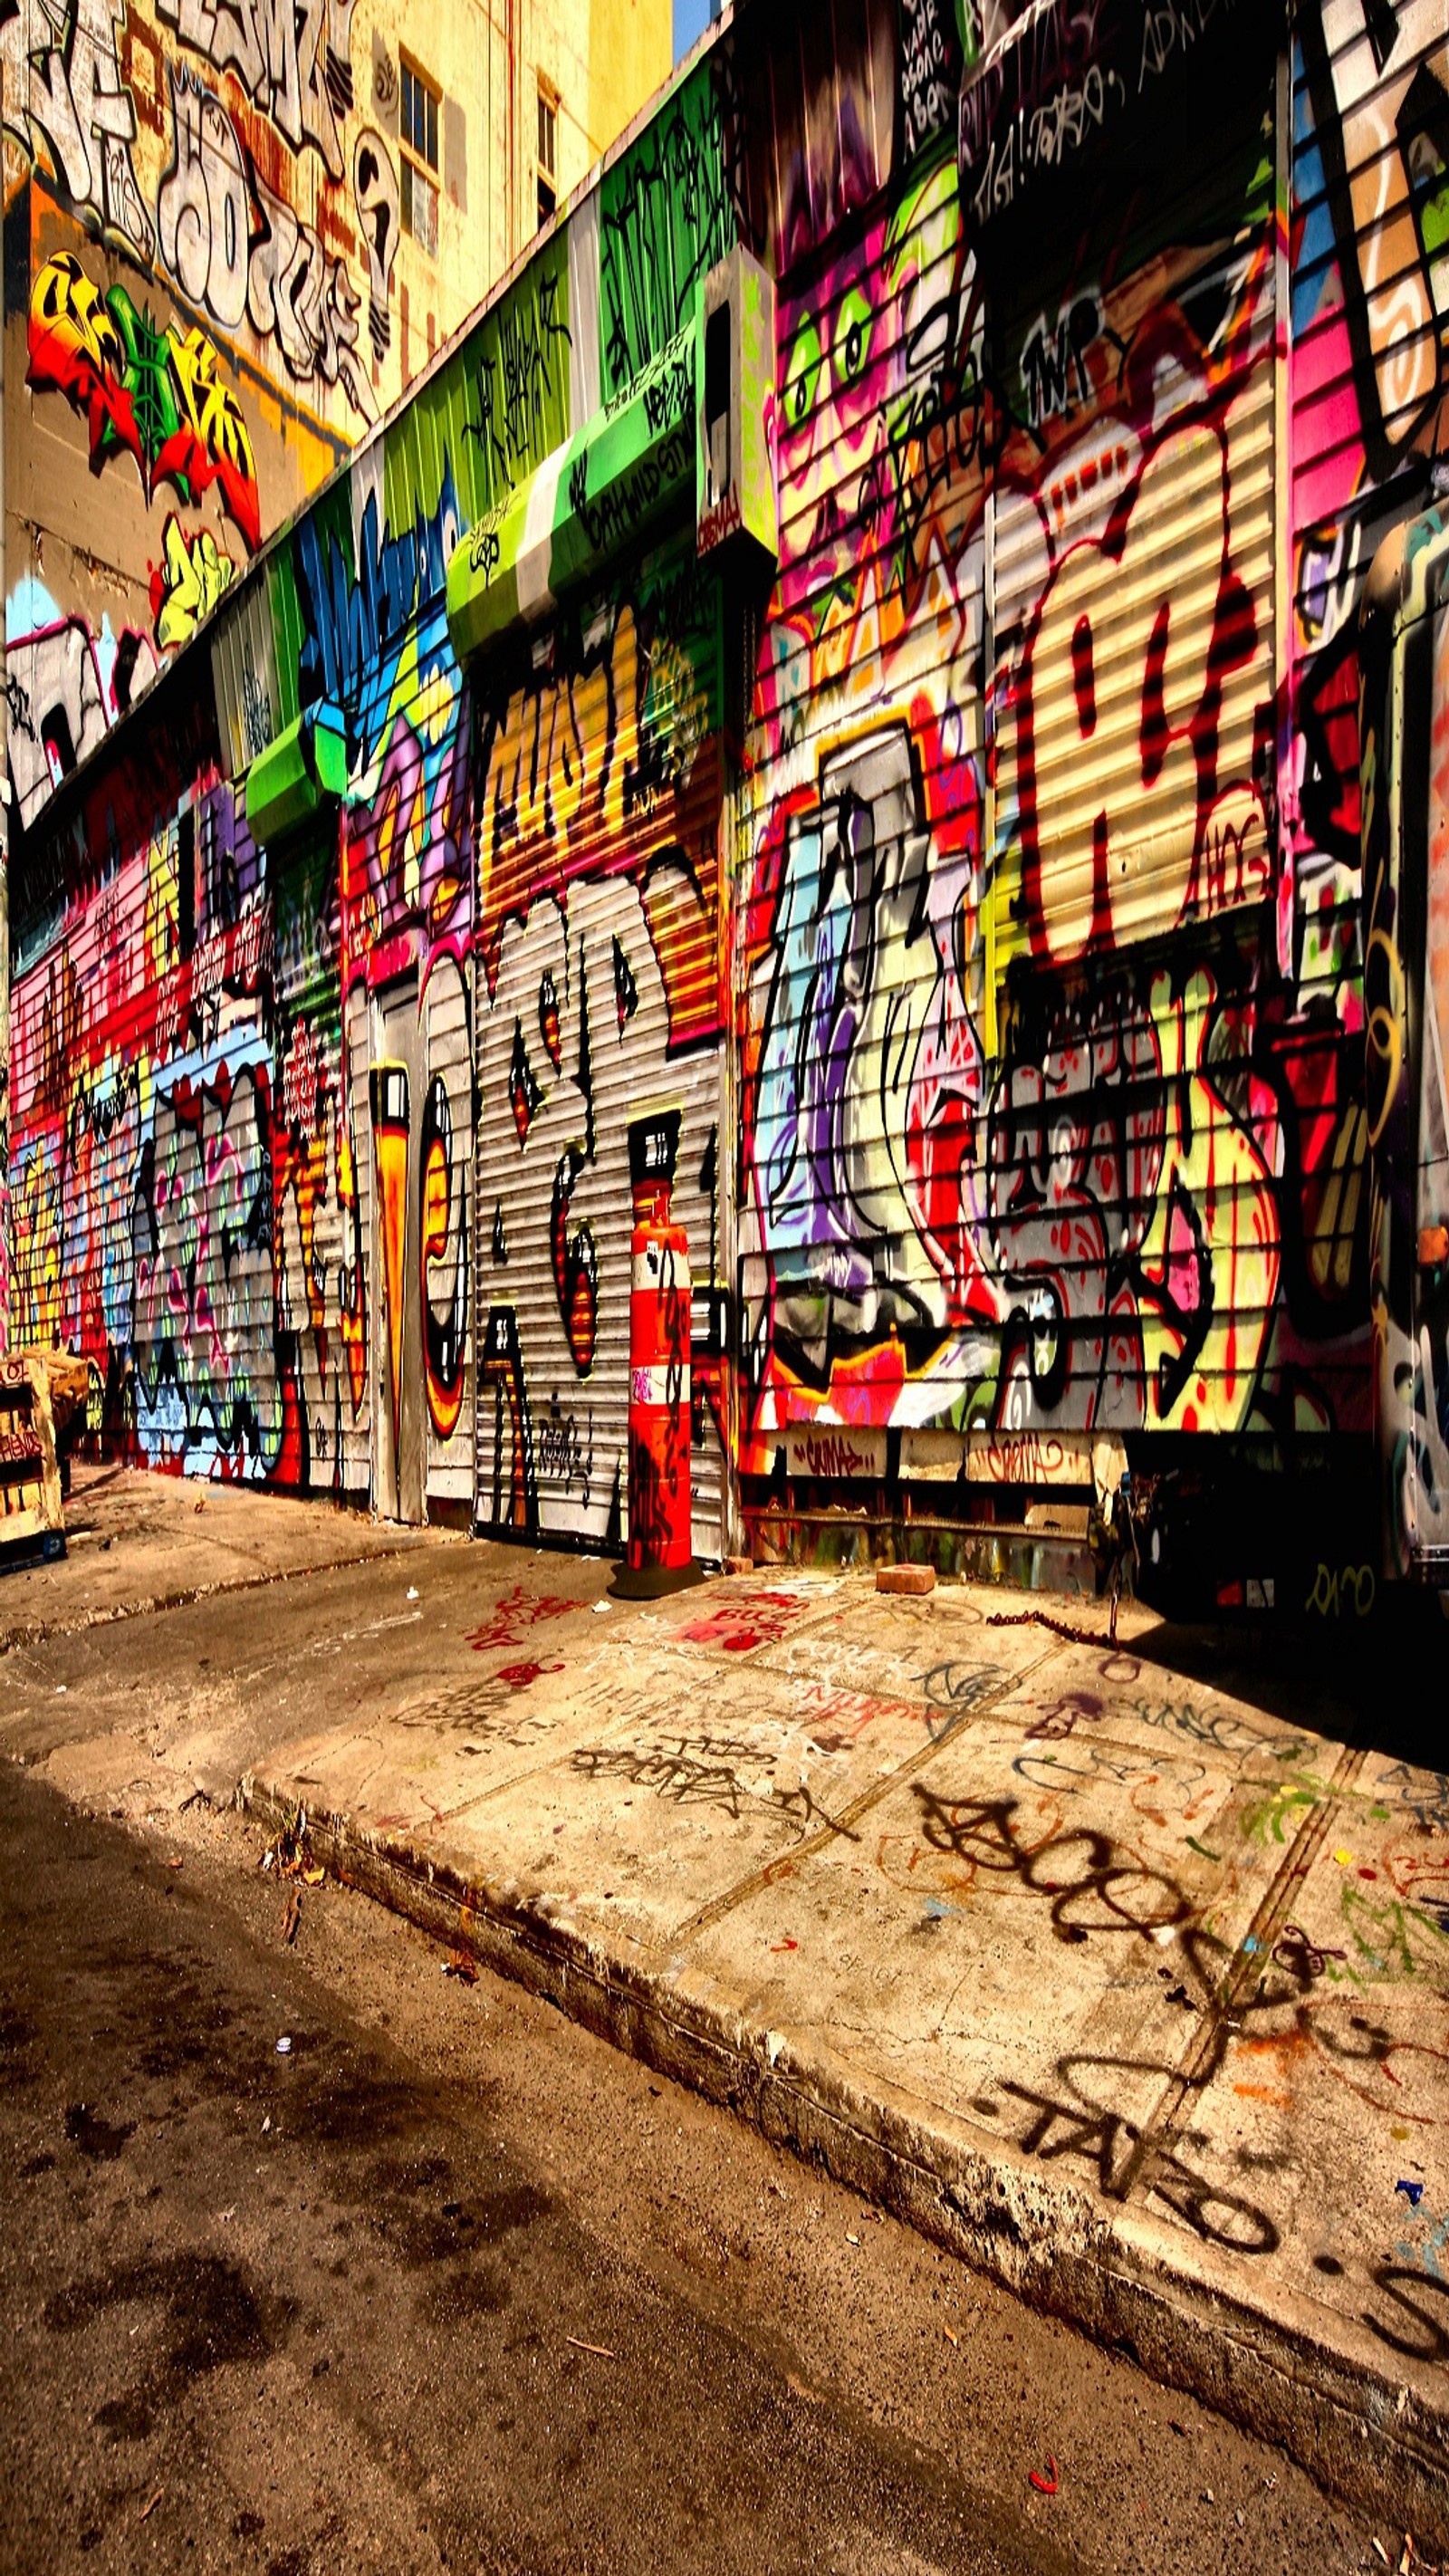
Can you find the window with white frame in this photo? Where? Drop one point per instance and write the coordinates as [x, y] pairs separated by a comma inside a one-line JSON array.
[[420, 106]]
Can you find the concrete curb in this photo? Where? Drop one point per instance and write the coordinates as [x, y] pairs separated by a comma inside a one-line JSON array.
[[40, 1632], [1291, 2374]]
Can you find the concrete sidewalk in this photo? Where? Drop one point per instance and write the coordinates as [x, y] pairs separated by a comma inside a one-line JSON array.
[[1125, 1974], [1131, 1988], [137, 1542]]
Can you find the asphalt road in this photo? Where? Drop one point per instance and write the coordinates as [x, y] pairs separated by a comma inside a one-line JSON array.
[[450, 2284]]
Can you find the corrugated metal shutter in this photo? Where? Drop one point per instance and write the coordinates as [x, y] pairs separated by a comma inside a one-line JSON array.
[[1337, 509], [1060, 1215], [1129, 1208], [81, 1032], [244, 676], [1133, 620], [209, 1396], [142, 1079], [1369, 294], [598, 1000], [395, 1096], [861, 1069], [406, 949], [1135, 603], [316, 1254], [289, 625], [1368, 179]]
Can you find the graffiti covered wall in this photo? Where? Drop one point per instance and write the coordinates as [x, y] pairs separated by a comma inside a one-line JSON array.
[[600, 932], [232, 237], [248, 1192], [993, 974], [599, 949], [1370, 306], [196, 1052], [143, 1155], [1054, 1055]]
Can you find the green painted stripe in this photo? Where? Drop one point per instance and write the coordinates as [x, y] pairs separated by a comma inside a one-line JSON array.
[[595, 496], [288, 781]]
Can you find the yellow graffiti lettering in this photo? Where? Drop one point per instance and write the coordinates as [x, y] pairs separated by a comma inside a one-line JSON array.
[[193, 575], [210, 409], [1341, 1592]]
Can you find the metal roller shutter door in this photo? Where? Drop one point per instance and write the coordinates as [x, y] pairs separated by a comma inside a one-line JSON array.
[[597, 985], [865, 826], [315, 1254], [1134, 645]]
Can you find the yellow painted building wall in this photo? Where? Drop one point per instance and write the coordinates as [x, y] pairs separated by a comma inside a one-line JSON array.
[[628, 44]]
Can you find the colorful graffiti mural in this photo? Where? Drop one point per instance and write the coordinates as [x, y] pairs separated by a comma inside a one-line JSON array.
[[975, 901], [1038, 1134], [138, 201], [151, 394], [64, 686], [228, 250], [598, 944], [70, 110], [187, 583], [1367, 337]]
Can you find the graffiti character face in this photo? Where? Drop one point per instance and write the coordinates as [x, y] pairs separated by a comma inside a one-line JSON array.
[[838, 358], [877, 425]]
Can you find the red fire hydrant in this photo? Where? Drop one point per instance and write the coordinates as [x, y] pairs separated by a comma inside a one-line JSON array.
[[659, 1325]]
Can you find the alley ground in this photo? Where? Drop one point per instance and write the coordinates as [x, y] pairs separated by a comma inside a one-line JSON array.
[[359, 2334], [332, 2310]]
